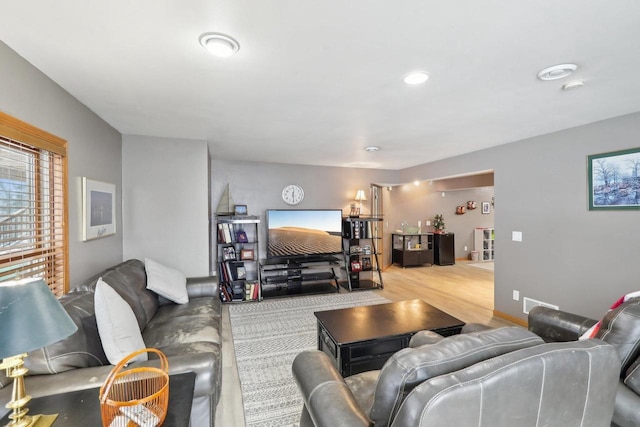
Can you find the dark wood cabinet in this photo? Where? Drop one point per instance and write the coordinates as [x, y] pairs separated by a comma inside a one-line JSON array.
[[444, 249], [412, 249]]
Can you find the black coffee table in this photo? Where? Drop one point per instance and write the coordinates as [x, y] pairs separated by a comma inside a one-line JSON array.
[[82, 408], [361, 339]]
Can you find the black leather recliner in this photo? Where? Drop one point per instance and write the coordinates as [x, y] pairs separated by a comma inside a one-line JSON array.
[[621, 328], [500, 378]]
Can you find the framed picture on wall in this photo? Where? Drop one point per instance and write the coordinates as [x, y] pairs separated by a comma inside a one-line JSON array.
[[98, 209], [486, 207], [614, 180]]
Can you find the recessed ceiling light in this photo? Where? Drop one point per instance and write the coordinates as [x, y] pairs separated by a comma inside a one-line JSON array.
[[219, 44], [573, 85], [557, 71], [372, 148], [416, 77]]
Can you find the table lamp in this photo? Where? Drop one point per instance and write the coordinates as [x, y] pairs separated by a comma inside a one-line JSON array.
[[360, 196], [31, 317]]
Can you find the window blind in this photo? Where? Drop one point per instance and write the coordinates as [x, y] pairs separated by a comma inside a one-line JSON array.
[[32, 214]]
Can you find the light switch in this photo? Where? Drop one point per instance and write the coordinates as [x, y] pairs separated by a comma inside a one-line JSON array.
[[516, 236]]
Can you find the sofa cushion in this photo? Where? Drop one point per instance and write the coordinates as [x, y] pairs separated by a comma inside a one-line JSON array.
[[165, 281], [117, 325], [621, 328], [411, 366], [129, 280], [184, 324], [632, 379], [83, 349]]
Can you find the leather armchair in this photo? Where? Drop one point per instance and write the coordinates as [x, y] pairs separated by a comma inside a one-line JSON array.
[[620, 328], [501, 377]]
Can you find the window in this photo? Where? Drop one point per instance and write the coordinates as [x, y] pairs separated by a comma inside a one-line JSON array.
[[33, 207]]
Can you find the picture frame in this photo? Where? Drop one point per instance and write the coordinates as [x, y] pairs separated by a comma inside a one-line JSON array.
[[486, 208], [241, 273], [241, 236], [98, 209], [356, 266], [247, 254], [614, 180], [228, 253], [240, 210]]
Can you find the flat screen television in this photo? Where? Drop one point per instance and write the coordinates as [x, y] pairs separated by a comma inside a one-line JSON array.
[[298, 233]]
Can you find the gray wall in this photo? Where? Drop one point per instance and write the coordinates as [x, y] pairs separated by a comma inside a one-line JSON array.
[[259, 185], [577, 259], [94, 152], [166, 202]]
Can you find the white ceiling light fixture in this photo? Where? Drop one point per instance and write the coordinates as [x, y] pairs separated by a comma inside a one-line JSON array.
[[416, 78], [556, 72], [372, 148], [576, 84], [218, 44]]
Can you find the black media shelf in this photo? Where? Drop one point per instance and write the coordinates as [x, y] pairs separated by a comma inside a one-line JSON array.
[[298, 276]]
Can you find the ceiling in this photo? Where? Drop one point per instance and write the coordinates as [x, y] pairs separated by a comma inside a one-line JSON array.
[[315, 82]]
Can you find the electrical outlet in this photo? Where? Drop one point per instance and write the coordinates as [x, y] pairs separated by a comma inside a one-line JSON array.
[[465, 248], [516, 295], [428, 223]]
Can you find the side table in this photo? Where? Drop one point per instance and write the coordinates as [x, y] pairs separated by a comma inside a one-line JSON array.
[[82, 408]]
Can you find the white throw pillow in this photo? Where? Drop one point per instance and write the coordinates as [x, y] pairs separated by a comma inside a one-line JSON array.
[[117, 325], [166, 281]]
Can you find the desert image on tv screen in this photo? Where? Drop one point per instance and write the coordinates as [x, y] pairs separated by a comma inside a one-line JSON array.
[[299, 233]]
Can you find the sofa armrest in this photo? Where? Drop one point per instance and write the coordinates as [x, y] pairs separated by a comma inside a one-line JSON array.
[[555, 325], [205, 286], [326, 396]]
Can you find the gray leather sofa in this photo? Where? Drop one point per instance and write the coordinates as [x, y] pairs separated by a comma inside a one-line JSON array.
[[620, 328], [500, 378], [188, 334]]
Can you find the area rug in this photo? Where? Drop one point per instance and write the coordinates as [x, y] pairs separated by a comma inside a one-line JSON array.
[[484, 265], [267, 336]]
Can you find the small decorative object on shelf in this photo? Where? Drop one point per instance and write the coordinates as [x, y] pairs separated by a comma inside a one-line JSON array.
[[240, 209], [241, 236], [438, 223], [246, 254]]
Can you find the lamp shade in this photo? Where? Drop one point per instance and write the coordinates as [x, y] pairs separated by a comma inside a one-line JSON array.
[[30, 317], [360, 196]]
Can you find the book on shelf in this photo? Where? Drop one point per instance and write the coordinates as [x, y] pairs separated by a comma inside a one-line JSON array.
[[225, 233], [366, 263], [231, 271], [251, 291]]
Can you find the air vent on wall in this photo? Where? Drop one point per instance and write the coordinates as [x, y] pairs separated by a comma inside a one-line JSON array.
[[529, 303]]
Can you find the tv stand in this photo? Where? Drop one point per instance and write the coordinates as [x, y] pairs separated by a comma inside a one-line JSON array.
[[286, 276]]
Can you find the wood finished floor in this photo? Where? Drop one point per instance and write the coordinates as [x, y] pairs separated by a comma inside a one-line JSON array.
[[461, 290]]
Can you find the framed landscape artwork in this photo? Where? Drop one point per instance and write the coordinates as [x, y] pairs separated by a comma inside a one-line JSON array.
[[98, 209], [614, 180]]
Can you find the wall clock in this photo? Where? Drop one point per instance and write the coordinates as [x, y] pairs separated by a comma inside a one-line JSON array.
[[292, 194]]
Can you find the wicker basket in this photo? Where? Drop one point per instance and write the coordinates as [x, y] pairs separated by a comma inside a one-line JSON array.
[[142, 390]]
